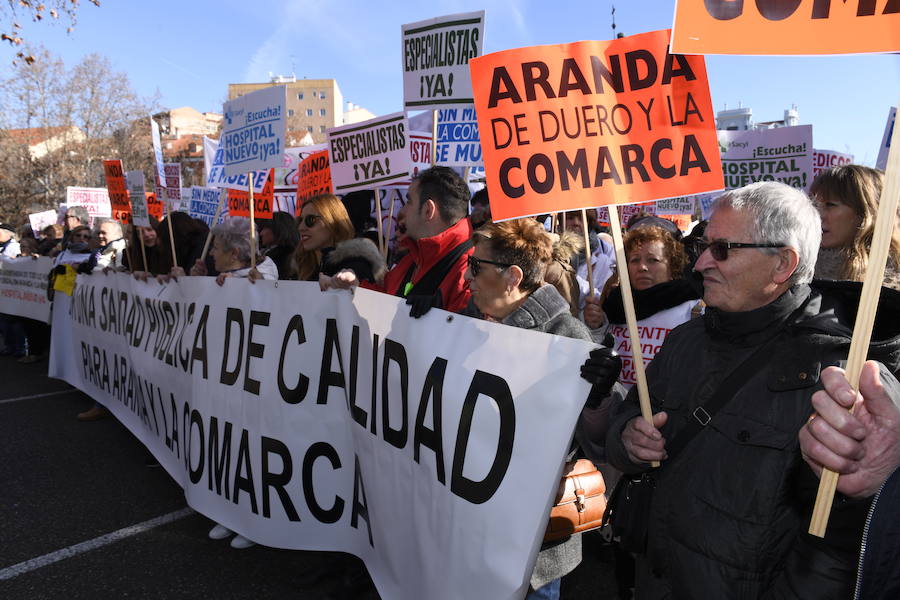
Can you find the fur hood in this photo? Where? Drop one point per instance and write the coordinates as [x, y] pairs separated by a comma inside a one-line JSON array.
[[566, 245], [356, 249]]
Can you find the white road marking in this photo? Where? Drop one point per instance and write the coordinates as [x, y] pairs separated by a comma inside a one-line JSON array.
[[99, 542], [36, 396]]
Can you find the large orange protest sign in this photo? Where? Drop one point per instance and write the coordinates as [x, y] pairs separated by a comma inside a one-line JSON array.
[[314, 178], [786, 26], [239, 200], [118, 190], [594, 123]]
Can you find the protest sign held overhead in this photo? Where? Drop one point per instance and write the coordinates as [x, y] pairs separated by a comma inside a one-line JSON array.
[[825, 159], [157, 149], [369, 154], [458, 143], [782, 154], [436, 54], [136, 195], [118, 190], [205, 203], [786, 26], [216, 176], [594, 123], [95, 200], [253, 131], [169, 189], [885, 147], [314, 178], [155, 206], [39, 221], [239, 200]]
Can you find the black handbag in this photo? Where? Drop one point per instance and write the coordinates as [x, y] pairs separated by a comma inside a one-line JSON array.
[[628, 511]]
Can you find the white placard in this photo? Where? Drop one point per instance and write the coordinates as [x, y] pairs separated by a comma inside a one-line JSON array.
[[23, 287], [157, 149], [137, 197], [783, 154], [825, 159], [39, 221], [458, 140], [369, 154], [885, 147], [95, 200], [253, 131]]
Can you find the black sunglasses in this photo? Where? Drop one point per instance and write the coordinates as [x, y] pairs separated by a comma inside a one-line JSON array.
[[310, 220], [719, 249], [475, 264]]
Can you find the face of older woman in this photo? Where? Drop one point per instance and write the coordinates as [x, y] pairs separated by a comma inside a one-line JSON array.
[[313, 232], [225, 259], [490, 285], [648, 265]]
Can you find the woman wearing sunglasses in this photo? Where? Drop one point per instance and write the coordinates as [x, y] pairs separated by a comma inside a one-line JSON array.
[[505, 275], [662, 299], [847, 198], [327, 245]]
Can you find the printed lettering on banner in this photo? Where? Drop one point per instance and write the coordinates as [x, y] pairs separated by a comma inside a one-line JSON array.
[[885, 147], [783, 154], [314, 178], [137, 198], [155, 206], [458, 143], [157, 149], [825, 159], [39, 221], [369, 154], [253, 131], [95, 200], [782, 27], [216, 176], [334, 421], [436, 54], [204, 202], [675, 206], [23, 287], [239, 200], [118, 190], [419, 157], [589, 124]]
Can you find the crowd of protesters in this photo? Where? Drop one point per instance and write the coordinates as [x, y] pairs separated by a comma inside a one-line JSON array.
[[739, 469]]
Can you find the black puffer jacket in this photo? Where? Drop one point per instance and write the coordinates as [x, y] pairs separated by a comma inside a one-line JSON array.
[[880, 572], [730, 512]]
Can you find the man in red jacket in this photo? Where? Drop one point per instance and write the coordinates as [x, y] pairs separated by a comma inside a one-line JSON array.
[[439, 242]]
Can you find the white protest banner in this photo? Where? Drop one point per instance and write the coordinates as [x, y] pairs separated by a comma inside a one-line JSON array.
[[95, 200], [41, 220], [419, 157], [825, 159], [23, 287], [204, 203], [157, 149], [217, 178], [285, 202], [369, 154], [436, 55], [885, 147], [683, 205], [140, 216], [458, 143], [783, 154], [336, 422], [169, 189], [253, 131]]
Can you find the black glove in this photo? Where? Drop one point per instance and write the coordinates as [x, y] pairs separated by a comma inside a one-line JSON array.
[[601, 369], [421, 304]]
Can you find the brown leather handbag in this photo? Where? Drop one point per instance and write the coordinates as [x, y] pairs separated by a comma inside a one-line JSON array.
[[580, 501]]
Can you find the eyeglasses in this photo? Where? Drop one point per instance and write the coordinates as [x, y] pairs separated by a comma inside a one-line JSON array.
[[719, 249], [310, 220], [475, 264]]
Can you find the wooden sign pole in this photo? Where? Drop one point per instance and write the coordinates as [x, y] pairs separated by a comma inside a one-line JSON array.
[[380, 225], [171, 234], [222, 195], [143, 250], [252, 222], [631, 318], [434, 128], [865, 315], [390, 231]]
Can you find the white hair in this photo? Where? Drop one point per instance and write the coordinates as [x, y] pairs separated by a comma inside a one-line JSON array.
[[104, 221], [780, 215], [234, 234]]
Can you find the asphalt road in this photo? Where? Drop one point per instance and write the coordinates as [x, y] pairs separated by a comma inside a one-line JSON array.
[[82, 516]]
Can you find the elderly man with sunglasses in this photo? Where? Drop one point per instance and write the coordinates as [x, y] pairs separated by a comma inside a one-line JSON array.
[[730, 392]]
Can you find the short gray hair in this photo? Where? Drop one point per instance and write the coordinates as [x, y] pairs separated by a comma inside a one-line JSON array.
[[234, 234], [780, 215], [104, 221]]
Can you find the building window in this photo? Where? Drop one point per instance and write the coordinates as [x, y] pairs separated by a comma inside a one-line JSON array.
[[309, 112], [321, 128], [322, 95], [309, 128], [322, 112], [300, 96], [290, 112]]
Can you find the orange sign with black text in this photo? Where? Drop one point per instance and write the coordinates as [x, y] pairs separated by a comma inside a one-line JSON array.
[[155, 206], [594, 123], [314, 178], [782, 27], [239, 201], [118, 190]]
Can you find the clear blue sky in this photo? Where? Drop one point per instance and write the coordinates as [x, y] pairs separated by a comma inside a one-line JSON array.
[[191, 51]]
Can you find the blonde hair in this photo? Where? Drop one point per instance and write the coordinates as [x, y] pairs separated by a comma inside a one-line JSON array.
[[336, 220], [859, 188]]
